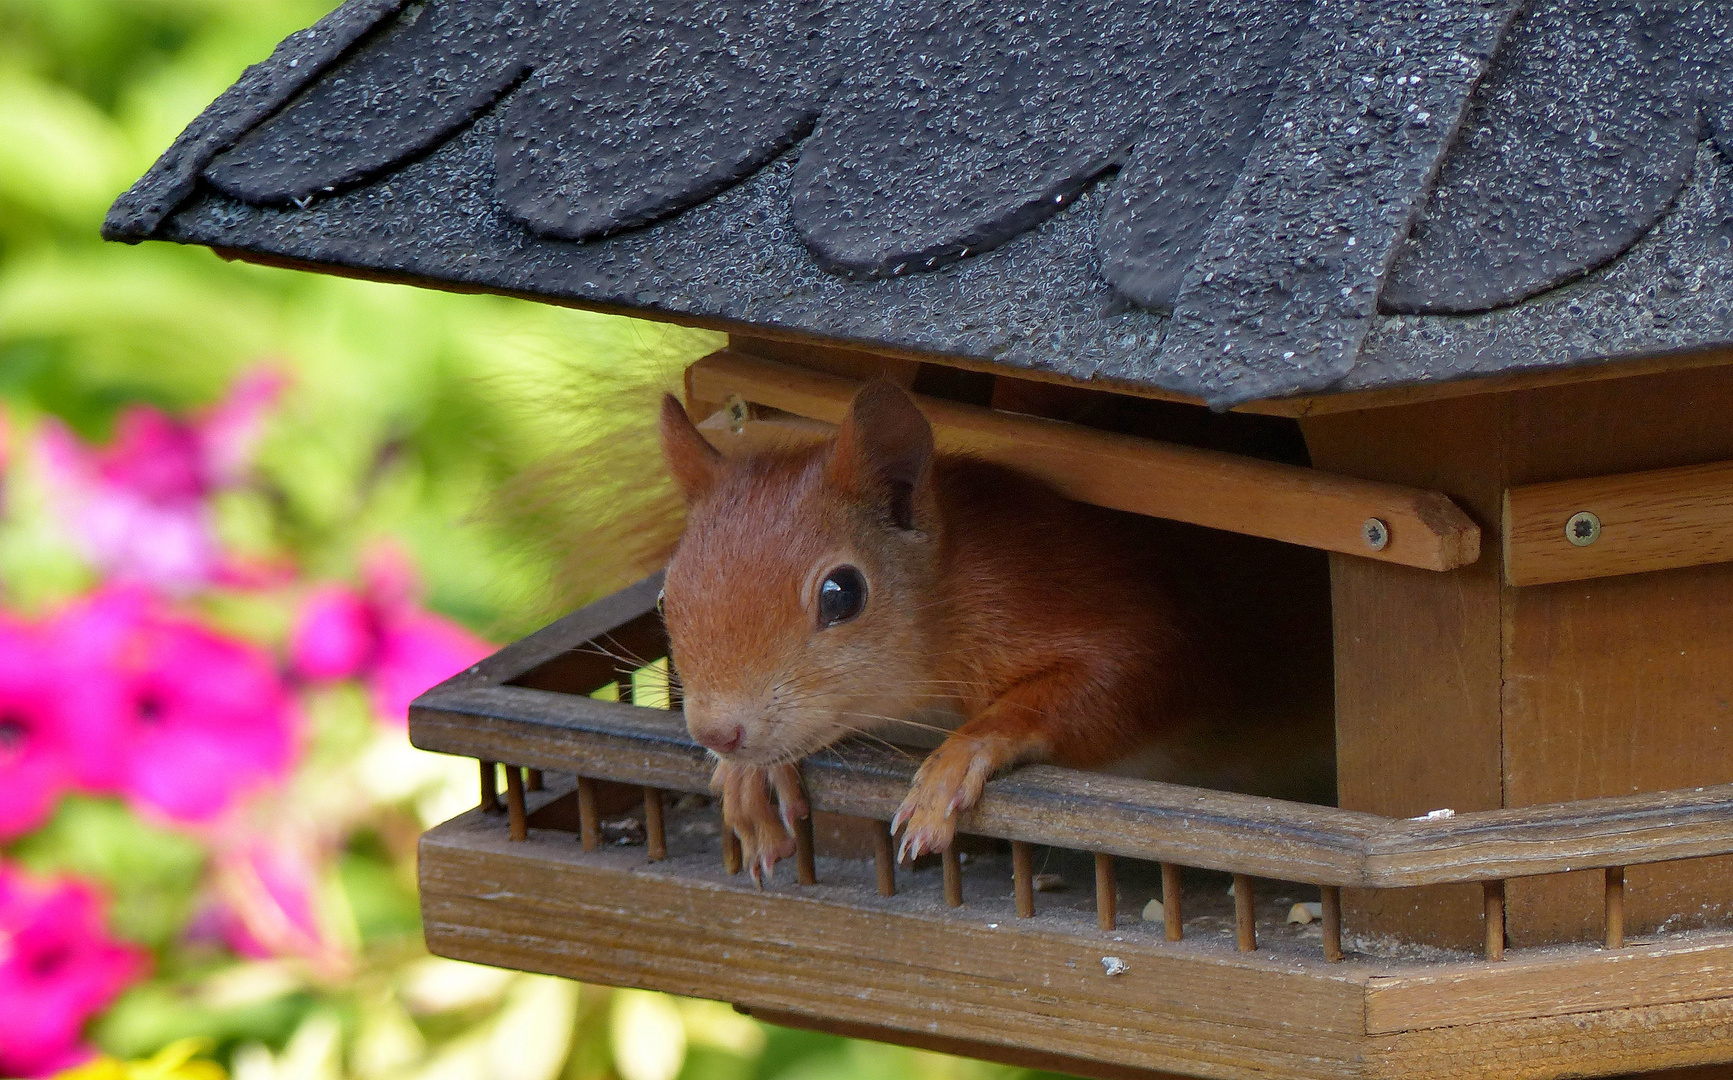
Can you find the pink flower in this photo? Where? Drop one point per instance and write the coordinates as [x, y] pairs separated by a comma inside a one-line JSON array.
[[381, 634], [140, 507], [268, 888], [180, 719], [58, 967], [34, 766]]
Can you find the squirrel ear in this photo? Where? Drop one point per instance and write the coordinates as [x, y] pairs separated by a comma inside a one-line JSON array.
[[884, 451], [692, 461]]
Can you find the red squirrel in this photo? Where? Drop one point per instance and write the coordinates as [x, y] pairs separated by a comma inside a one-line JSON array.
[[857, 584]]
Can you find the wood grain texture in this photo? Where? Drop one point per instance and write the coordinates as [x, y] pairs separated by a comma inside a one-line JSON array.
[[1658, 520], [1621, 684], [1553, 982], [1541, 694], [1040, 804], [1165, 480], [1580, 1044], [615, 921], [1020, 1057], [1417, 655], [1046, 804], [1015, 985]]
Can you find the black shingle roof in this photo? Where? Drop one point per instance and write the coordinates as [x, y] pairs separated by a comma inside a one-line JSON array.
[[1237, 199]]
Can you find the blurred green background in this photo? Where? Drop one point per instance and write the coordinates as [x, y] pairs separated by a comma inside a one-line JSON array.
[[467, 431]]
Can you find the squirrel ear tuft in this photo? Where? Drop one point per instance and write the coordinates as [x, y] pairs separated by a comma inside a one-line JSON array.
[[691, 460], [884, 452]]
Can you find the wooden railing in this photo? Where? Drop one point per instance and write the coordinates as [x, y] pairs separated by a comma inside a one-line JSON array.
[[500, 712]]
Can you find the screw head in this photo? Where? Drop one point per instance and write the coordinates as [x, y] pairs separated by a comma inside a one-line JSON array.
[[1583, 528], [1375, 533]]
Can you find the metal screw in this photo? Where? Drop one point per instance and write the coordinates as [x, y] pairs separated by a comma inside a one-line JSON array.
[[1377, 534], [1583, 529], [739, 412]]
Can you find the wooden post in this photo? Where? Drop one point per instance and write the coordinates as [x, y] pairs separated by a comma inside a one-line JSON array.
[[1332, 905], [953, 864], [490, 787], [885, 860], [1615, 907], [731, 854], [803, 854], [532, 780], [1023, 877], [514, 803], [1493, 891], [1106, 893], [1171, 897], [589, 828], [655, 836], [1245, 918]]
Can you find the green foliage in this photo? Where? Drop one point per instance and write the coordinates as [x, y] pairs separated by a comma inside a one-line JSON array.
[[150, 872]]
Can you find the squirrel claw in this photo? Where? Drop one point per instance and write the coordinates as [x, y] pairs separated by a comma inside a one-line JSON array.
[[949, 782]]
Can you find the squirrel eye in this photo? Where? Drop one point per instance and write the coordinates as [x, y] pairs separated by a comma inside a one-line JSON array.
[[662, 602], [841, 596]]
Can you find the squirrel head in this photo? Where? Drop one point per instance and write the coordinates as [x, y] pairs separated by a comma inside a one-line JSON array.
[[797, 597]]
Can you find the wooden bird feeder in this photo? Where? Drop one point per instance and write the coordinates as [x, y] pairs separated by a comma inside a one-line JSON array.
[[1424, 311]]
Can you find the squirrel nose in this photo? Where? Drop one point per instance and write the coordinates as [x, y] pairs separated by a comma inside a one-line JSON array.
[[723, 741]]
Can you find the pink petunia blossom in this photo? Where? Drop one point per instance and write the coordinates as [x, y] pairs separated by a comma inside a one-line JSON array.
[[58, 967], [381, 635], [140, 506], [178, 718], [268, 886], [34, 757]]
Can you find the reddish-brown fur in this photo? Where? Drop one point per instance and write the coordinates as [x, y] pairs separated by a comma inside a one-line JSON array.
[[1041, 623]]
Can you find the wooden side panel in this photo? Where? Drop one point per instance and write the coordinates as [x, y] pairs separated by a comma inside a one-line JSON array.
[[544, 906], [1585, 1044], [1581, 979], [1418, 726], [1459, 691], [1621, 684]]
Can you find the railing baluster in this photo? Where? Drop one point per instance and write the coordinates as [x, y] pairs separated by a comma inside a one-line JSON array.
[[731, 854], [1171, 898], [1331, 896], [655, 836], [1493, 893], [1245, 917], [885, 859], [1106, 893], [1615, 907], [514, 803], [532, 780], [1023, 877], [804, 862], [490, 787], [953, 864], [589, 829]]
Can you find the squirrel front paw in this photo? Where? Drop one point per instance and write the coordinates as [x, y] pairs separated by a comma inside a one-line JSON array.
[[766, 832], [948, 783]]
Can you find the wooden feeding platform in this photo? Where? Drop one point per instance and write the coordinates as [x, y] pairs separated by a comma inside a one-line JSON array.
[[606, 862]]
